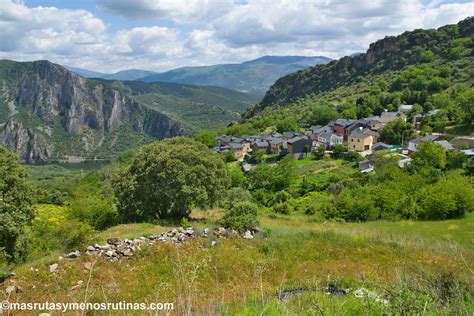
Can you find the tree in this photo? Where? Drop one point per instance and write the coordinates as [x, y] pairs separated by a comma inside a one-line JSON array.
[[288, 124], [322, 114], [15, 205], [469, 169], [241, 216], [318, 153], [466, 102], [426, 56], [207, 137], [396, 131], [429, 154], [455, 159], [167, 178], [339, 150]]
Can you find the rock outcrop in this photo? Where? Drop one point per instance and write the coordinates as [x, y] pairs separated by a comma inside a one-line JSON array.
[[55, 105]]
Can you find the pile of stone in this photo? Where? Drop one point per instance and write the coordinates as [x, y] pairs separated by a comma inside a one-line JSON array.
[[116, 248]]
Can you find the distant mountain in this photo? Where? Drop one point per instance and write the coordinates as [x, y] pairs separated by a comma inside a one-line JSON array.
[[252, 77], [131, 74], [85, 73], [49, 113], [194, 107]]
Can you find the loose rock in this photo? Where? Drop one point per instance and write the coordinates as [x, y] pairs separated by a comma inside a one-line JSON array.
[[248, 235], [73, 255], [10, 289], [53, 267]]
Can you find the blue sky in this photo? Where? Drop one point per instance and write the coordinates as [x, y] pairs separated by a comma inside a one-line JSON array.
[[111, 35]]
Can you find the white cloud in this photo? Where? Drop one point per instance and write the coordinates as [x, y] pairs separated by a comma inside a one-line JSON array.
[[163, 34], [48, 30], [190, 11], [147, 41]]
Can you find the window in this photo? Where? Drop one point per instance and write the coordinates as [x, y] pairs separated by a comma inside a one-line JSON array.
[[358, 140]]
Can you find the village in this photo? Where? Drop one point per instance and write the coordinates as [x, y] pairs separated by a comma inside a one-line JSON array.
[[361, 136]]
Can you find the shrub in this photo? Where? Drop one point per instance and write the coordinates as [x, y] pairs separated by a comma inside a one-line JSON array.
[[236, 195], [283, 208], [241, 216], [449, 198], [53, 229], [92, 202]]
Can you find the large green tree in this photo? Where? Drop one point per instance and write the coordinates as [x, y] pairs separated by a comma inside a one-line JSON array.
[[429, 154], [396, 131], [15, 205], [207, 137], [167, 178]]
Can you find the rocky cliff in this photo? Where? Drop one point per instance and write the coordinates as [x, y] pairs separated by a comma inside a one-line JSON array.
[[52, 113], [390, 53]]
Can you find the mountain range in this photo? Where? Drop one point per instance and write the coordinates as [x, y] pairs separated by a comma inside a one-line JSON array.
[[253, 77], [50, 113]]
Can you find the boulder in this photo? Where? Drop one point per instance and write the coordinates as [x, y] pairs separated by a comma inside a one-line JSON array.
[[205, 233], [220, 232], [73, 255], [248, 235], [10, 289], [53, 267]]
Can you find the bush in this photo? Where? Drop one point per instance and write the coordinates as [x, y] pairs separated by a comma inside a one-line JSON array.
[[241, 216], [283, 208], [236, 195], [449, 198], [92, 202], [54, 229]]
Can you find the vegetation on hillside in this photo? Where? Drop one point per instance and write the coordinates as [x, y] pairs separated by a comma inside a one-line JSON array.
[[195, 107], [431, 69]]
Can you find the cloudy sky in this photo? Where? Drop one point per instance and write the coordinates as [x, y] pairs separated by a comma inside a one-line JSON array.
[[111, 35]]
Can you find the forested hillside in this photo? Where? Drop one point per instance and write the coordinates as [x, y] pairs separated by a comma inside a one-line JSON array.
[[432, 69], [195, 107]]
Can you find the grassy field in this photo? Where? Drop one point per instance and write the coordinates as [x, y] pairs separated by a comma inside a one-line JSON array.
[[282, 271]]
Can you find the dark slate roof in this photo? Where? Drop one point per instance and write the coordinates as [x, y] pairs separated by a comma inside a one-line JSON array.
[[235, 145], [315, 127], [289, 135], [445, 144], [370, 132], [425, 138], [358, 134], [276, 141], [224, 138], [326, 135], [260, 143], [380, 145], [356, 125], [294, 139], [344, 122]]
